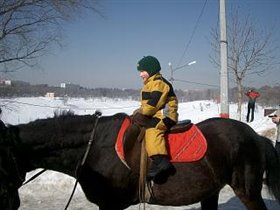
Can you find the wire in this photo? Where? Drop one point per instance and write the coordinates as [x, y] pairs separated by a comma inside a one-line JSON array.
[[192, 35], [197, 83], [69, 106]]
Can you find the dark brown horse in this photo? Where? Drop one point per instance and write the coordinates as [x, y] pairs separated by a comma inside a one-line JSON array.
[[236, 156]]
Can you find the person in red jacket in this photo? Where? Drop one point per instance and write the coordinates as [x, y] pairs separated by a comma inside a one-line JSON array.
[[252, 95]]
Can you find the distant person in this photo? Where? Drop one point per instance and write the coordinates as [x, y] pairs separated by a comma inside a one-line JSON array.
[[158, 109], [252, 95], [276, 120]]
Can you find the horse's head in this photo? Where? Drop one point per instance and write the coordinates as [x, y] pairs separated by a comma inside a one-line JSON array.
[[11, 177]]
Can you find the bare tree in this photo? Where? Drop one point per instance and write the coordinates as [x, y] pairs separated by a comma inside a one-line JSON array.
[[250, 51], [28, 28]]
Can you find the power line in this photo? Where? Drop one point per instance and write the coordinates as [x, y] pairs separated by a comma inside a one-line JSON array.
[[192, 35], [69, 106], [197, 83]]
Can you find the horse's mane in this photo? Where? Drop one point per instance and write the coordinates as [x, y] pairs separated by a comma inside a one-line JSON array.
[[68, 115], [62, 130], [58, 113], [67, 123]]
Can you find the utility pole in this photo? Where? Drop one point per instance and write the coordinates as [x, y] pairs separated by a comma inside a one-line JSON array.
[[223, 53], [171, 73]]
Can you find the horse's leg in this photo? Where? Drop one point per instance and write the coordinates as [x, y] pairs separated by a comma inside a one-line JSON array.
[[210, 203], [251, 202], [247, 187]]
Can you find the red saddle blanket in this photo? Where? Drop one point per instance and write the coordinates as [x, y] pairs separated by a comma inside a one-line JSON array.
[[186, 146]]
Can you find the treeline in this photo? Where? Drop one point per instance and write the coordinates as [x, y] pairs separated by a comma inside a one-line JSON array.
[[270, 96], [24, 89]]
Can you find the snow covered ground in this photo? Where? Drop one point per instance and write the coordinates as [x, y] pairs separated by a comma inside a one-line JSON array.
[[52, 190]]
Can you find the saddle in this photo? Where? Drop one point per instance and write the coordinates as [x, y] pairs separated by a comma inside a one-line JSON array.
[[185, 142]]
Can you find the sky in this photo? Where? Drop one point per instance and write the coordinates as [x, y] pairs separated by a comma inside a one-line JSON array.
[[103, 51]]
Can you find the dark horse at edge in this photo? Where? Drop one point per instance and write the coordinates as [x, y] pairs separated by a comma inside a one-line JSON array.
[[237, 156]]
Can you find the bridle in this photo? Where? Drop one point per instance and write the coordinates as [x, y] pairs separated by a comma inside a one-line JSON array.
[[18, 171], [14, 180], [15, 163]]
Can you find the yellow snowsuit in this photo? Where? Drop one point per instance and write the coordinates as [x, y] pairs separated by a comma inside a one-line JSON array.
[[159, 102]]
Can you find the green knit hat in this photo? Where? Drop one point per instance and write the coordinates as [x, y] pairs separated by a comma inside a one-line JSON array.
[[149, 64]]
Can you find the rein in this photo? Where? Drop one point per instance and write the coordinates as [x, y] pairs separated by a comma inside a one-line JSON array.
[[34, 176], [98, 115], [143, 171], [17, 169]]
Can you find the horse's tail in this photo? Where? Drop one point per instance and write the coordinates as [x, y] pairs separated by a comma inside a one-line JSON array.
[[272, 169]]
